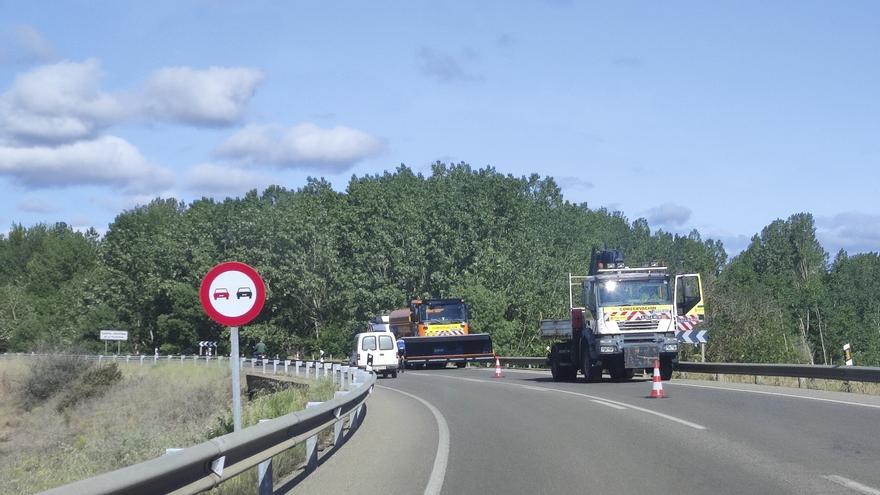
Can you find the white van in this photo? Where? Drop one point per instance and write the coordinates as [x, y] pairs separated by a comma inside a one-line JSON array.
[[381, 347]]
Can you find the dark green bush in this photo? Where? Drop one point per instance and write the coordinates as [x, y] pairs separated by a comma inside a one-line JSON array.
[[94, 382], [48, 375]]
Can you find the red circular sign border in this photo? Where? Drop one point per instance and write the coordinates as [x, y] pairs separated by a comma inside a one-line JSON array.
[[215, 272]]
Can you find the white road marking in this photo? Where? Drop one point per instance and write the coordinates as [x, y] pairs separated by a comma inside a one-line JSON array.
[[530, 387], [441, 459], [780, 394], [637, 408], [602, 399], [613, 406], [852, 485]]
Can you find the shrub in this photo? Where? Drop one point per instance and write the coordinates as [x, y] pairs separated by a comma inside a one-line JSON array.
[[48, 375], [94, 382]]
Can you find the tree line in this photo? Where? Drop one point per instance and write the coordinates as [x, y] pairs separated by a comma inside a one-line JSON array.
[[331, 260]]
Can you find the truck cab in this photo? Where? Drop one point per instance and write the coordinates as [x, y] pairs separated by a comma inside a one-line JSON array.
[[623, 319]]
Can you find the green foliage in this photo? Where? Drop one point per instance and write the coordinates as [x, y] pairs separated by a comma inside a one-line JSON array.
[[331, 260], [93, 382], [48, 376]]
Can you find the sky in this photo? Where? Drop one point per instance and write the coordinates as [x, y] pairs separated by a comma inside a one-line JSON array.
[[716, 116]]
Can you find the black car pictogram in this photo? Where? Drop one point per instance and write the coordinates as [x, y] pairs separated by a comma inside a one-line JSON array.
[[244, 292]]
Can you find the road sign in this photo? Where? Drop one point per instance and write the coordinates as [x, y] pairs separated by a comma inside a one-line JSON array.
[[232, 293], [114, 335], [692, 336]]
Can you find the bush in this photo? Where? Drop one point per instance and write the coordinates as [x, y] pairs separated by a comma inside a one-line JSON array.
[[94, 382], [48, 375]]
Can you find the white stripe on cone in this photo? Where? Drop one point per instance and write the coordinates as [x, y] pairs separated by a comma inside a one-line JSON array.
[[657, 384], [498, 368]]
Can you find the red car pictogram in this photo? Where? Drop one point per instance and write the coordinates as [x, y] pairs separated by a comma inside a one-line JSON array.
[[221, 293]]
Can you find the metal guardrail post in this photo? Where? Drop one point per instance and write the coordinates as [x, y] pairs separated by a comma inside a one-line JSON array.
[[337, 426], [286, 364], [265, 484], [309, 365], [296, 366], [142, 360], [312, 445]]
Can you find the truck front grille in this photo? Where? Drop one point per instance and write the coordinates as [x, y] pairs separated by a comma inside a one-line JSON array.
[[637, 325]]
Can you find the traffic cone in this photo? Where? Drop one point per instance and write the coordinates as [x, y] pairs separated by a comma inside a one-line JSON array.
[[498, 368], [657, 384]]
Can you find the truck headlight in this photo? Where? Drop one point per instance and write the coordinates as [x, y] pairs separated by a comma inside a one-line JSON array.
[[670, 347], [607, 349]]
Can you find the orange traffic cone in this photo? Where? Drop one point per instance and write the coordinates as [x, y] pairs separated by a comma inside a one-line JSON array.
[[498, 368], [657, 384]]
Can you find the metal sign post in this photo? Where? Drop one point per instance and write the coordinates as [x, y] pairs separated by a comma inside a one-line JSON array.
[[233, 294], [236, 379]]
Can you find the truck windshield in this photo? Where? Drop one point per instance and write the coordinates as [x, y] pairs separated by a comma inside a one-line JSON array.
[[634, 292], [443, 312]]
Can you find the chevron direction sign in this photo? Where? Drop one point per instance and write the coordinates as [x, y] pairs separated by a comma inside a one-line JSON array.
[[692, 336]]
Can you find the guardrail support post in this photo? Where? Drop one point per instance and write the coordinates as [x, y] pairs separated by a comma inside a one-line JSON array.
[[265, 485], [309, 365], [312, 445], [296, 365], [337, 426]]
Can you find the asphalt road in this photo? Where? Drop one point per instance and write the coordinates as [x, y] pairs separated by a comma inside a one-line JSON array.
[[525, 433]]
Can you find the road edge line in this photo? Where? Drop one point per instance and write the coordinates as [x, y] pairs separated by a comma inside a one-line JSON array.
[[852, 485], [441, 459], [777, 394]]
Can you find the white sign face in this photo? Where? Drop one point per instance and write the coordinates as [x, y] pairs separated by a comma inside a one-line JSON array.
[[114, 335], [233, 293]]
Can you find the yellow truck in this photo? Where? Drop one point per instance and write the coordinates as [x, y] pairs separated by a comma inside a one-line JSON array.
[[437, 332]]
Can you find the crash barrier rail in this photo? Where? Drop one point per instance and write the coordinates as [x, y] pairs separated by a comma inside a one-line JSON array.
[[823, 372], [208, 464], [298, 368]]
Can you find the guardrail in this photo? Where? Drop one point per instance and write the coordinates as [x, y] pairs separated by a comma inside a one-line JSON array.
[[208, 464], [846, 373]]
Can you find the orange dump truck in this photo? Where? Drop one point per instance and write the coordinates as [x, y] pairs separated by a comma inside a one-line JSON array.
[[437, 332]]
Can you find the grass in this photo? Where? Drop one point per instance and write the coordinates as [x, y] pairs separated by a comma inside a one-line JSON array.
[[153, 407]]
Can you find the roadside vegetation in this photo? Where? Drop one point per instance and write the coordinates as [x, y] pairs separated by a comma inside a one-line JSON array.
[[106, 417], [332, 260]]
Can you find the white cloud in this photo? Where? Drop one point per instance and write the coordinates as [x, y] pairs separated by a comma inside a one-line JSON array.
[[214, 96], [212, 179], [33, 44], [445, 67], [36, 205], [108, 160], [302, 146], [574, 182], [63, 102], [57, 103], [669, 215], [856, 232]]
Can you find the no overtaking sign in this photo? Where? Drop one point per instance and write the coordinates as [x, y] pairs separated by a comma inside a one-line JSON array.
[[232, 293]]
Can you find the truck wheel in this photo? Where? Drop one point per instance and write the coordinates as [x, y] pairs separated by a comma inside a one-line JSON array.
[[394, 374], [666, 369], [460, 365], [617, 372], [592, 373], [555, 371]]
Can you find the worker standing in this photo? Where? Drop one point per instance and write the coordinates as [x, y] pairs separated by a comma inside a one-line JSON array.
[[401, 355]]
